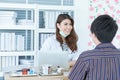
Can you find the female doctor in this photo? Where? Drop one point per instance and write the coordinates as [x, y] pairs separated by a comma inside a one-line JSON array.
[[65, 38]]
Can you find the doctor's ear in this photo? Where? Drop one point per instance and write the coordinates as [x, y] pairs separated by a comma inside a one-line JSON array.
[[58, 25]]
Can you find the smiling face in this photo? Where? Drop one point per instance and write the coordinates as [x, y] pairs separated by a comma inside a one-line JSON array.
[[65, 26]]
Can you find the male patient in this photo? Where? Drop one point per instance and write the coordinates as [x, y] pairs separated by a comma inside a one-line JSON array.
[[103, 62]]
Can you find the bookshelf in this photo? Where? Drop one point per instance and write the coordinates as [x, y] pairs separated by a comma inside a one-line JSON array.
[[34, 22]]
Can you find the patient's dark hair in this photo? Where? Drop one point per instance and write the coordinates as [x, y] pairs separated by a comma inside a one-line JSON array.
[[105, 28]]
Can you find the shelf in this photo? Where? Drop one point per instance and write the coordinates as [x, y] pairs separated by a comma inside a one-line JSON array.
[[51, 7], [18, 27], [17, 6], [46, 30], [34, 6], [14, 53]]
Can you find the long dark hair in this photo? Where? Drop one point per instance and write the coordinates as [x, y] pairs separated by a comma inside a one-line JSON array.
[[71, 40]]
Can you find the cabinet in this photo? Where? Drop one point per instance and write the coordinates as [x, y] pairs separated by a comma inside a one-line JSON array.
[[34, 20]]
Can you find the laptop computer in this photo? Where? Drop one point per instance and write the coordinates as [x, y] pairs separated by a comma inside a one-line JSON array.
[[53, 59]]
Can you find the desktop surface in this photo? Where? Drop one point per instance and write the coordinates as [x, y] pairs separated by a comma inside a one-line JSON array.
[[38, 77]]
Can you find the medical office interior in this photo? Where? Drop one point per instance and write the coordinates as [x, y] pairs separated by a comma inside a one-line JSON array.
[[25, 24]]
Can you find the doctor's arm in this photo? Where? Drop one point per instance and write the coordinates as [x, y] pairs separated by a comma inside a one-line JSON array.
[[74, 59], [46, 46]]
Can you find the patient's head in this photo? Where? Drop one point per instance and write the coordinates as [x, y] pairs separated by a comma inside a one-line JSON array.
[[104, 28]]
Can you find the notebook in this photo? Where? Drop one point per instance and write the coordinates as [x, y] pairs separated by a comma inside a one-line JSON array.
[[54, 59]]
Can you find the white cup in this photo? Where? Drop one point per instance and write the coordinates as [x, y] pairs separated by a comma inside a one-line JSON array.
[[45, 68], [59, 70]]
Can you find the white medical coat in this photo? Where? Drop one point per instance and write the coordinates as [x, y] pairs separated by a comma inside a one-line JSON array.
[[52, 44]]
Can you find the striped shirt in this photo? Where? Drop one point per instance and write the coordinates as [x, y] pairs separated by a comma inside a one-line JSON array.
[[101, 63]]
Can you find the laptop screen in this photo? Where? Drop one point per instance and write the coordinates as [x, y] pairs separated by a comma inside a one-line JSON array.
[[54, 59]]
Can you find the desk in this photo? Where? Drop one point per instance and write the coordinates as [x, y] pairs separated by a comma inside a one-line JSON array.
[[7, 77]]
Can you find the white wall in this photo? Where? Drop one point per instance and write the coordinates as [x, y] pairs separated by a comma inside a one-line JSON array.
[[81, 23]]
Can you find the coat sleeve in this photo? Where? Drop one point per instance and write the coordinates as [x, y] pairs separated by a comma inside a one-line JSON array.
[[46, 45]]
